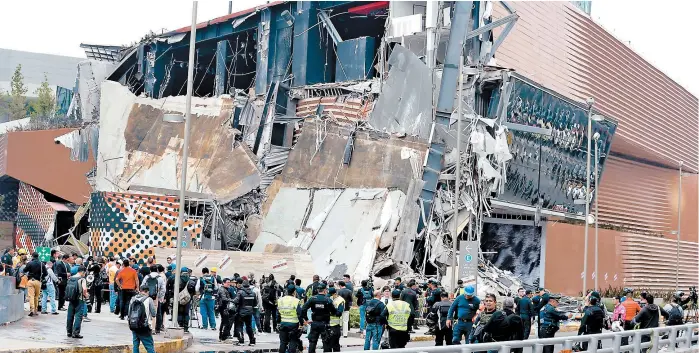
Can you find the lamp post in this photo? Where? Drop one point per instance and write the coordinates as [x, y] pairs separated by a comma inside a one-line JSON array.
[[185, 155], [590, 103], [679, 228], [455, 239], [596, 138]]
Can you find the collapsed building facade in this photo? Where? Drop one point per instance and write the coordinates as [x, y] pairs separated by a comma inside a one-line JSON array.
[[329, 128]]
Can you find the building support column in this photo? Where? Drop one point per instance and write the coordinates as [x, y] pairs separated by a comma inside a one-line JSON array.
[[221, 69]]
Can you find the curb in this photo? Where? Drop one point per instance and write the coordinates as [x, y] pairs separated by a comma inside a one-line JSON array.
[[170, 346], [421, 338]]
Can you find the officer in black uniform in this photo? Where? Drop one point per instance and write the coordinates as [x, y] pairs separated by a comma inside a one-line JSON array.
[[321, 308]]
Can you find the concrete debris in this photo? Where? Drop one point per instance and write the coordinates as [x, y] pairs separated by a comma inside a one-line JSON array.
[[85, 104], [239, 221], [138, 149], [338, 227]]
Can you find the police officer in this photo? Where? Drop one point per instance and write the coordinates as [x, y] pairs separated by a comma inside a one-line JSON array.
[[335, 329], [246, 301], [290, 321], [549, 317], [397, 315], [592, 321], [321, 308], [464, 308]]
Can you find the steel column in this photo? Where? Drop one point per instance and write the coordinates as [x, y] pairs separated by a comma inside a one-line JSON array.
[[221, 70]]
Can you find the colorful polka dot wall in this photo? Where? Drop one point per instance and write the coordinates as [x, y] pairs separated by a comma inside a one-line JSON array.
[[130, 225]]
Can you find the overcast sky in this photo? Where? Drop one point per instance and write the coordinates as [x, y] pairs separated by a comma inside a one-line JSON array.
[[664, 35]]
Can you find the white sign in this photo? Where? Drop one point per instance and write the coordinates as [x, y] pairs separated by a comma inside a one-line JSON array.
[[606, 275], [280, 265], [225, 261], [199, 262]]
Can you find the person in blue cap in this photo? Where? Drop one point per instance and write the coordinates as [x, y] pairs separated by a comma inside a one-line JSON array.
[[462, 310]]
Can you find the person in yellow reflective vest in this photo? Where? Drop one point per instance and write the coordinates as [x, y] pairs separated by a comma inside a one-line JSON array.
[[396, 315], [335, 330], [290, 321]]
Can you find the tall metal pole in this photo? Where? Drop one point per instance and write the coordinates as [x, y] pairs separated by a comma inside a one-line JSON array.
[[590, 103], [230, 7], [214, 219], [185, 155], [455, 238], [596, 214], [679, 228]]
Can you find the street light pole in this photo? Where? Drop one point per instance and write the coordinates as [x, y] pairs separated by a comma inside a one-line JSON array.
[[590, 103], [455, 238], [679, 228], [596, 211], [185, 155]]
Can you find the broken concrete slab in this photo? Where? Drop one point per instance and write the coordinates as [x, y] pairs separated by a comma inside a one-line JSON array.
[[137, 147], [336, 226], [376, 161]]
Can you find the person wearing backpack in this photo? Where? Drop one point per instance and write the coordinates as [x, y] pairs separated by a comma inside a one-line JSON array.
[[364, 295], [76, 295], [141, 313], [207, 287], [127, 280], [675, 310], [592, 321], [225, 308]]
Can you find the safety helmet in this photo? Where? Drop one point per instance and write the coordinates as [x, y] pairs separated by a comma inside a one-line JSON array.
[[22, 251], [214, 269], [679, 294]]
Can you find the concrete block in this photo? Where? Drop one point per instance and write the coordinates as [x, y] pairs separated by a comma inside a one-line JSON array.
[[7, 285], [11, 307]]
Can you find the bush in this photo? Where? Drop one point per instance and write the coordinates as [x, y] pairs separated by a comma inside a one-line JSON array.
[[354, 317]]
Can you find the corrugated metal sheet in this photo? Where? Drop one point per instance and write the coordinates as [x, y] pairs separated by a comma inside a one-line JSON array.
[[343, 108], [558, 46]]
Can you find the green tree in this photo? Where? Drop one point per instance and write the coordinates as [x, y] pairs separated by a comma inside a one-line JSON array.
[[45, 104], [18, 90]]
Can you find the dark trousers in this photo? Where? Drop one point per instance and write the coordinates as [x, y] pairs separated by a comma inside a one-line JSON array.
[[585, 344], [547, 332], [126, 295], [96, 298], [247, 321], [318, 330], [397, 339], [289, 339], [74, 318], [646, 338], [224, 331], [159, 317], [627, 326], [443, 336], [526, 327], [62, 293], [269, 315], [334, 333], [411, 322], [183, 315]]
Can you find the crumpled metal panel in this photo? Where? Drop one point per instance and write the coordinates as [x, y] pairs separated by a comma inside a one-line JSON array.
[[405, 105]]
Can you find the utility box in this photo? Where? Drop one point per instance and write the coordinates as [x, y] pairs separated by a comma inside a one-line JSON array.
[[355, 59]]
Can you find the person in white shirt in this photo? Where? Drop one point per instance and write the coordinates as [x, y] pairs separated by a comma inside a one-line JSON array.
[[50, 292]]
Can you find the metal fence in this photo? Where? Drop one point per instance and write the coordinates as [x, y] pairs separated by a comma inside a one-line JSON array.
[[661, 339]]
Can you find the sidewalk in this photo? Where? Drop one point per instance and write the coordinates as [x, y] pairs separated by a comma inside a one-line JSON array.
[[47, 334]]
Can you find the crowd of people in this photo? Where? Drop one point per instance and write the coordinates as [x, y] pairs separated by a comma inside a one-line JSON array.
[[142, 294]]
